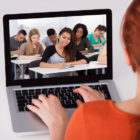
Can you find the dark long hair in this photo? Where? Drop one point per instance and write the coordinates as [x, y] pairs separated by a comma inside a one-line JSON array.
[[70, 49], [84, 27]]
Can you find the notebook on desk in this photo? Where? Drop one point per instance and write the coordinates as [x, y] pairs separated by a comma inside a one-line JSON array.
[[21, 89]]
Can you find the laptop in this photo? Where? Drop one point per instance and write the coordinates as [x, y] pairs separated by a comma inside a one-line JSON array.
[[22, 88]]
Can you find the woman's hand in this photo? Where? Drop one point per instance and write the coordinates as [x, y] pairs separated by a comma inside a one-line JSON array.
[[102, 59], [52, 113], [88, 94], [60, 65], [36, 56]]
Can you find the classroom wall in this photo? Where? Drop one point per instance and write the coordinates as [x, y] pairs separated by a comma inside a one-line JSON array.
[[57, 23]]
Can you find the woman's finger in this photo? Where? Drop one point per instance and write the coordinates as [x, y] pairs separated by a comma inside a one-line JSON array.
[[87, 88], [79, 102], [90, 90], [53, 97], [42, 98], [84, 93], [102, 94], [37, 103], [33, 109]]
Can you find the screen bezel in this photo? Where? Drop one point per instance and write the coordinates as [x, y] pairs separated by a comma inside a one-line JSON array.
[[58, 80]]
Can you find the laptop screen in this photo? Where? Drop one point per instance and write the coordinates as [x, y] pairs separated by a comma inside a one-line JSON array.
[[70, 46]]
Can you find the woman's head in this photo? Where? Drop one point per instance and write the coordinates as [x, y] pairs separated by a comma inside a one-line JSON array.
[[34, 36], [131, 34], [33, 39], [100, 30], [80, 30], [67, 40]]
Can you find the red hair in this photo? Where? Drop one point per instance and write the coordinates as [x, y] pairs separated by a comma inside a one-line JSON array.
[[131, 37], [131, 33]]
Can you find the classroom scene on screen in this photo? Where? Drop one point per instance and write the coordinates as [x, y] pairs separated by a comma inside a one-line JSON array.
[[58, 47]]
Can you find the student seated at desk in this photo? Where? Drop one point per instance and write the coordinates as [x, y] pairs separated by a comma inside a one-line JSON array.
[[16, 41], [51, 39], [33, 49], [97, 38], [82, 42], [64, 53]]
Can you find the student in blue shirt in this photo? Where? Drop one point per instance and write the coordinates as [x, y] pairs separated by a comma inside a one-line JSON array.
[[97, 38]]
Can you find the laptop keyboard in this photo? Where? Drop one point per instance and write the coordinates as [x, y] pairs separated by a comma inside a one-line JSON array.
[[65, 95]]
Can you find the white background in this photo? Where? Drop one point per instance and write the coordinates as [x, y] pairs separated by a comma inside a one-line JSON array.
[[124, 78]]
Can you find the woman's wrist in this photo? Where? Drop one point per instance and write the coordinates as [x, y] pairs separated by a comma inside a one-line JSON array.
[[70, 63], [58, 133]]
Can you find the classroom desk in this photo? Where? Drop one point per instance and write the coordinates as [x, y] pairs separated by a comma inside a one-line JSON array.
[[90, 54], [98, 48], [46, 71], [21, 62]]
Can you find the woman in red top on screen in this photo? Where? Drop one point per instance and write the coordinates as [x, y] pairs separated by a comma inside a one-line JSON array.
[[99, 119]]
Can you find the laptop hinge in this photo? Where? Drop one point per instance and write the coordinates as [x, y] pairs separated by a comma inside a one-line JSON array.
[[33, 85]]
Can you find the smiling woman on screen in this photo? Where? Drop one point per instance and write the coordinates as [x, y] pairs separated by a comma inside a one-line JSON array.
[[63, 53]]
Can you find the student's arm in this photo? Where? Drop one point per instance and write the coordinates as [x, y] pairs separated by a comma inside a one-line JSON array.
[[47, 65], [102, 58], [22, 54], [14, 52], [97, 45], [103, 40], [80, 59], [24, 57], [85, 51]]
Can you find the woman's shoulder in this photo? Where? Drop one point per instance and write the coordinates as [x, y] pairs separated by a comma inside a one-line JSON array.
[[89, 35], [24, 45], [97, 103], [50, 49], [96, 107]]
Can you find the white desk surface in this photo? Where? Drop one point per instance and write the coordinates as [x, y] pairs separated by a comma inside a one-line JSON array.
[[90, 54], [27, 61], [91, 65]]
